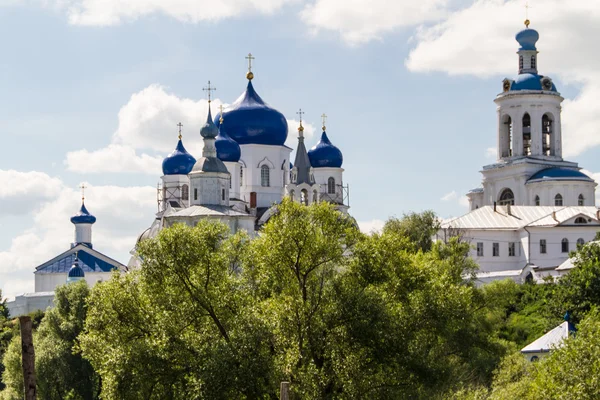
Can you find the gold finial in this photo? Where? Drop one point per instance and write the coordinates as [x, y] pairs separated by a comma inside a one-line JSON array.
[[180, 125], [324, 119], [300, 113], [209, 89], [527, 21], [221, 116], [249, 75], [82, 187]]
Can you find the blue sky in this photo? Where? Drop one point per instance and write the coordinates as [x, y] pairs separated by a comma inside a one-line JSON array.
[[91, 91]]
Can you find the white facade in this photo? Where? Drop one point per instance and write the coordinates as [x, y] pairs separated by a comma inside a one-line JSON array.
[[175, 189]]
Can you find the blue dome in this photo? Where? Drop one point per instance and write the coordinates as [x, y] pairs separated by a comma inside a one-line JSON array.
[[76, 271], [249, 120], [209, 129], [529, 81], [227, 148], [527, 39], [83, 216], [557, 173], [325, 154], [179, 162]]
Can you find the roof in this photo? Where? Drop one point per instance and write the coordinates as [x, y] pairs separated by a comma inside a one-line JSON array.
[[90, 260], [83, 216], [207, 210], [520, 216], [558, 173], [552, 339]]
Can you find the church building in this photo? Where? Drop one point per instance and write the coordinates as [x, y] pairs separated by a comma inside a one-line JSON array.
[[533, 207]]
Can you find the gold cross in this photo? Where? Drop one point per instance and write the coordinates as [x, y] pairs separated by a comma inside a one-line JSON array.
[[324, 119], [209, 89], [527, 22], [82, 187], [180, 125], [221, 116], [249, 57], [300, 113]]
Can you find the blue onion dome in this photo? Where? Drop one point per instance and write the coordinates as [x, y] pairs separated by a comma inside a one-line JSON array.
[[249, 120], [179, 162], [527, 38], [529, 81], [83, 216], [209, 130], [76, 271], [227, 148], [325, 154], [558, 173]]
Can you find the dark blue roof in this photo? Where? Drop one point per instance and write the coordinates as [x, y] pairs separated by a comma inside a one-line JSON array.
[[559, 173], [179, 162], [209, 129], [76, 271], [227, 148], [83, 216], [527, 38], [249, 120], [87, 263], [325, 154], [528, 81]]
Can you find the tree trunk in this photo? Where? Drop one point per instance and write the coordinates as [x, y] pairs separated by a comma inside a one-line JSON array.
[[28, 357]]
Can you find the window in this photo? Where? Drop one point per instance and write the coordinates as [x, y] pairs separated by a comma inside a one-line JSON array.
[[534, 358], [223, 194], [292, 195], [331, 185], [241, 176], [495, 249], [506, 198], [546, 135], [580, 242], [195, 193], [511, 249], [558, 200], [543, 246], [304, 197], [580, 200], [537, 200], [526, 134], [315, 196], [580, 220], [507, 148], [185, 192], [265, 180], [520, 64], [564, 245], [229, 181], [533, 66], [479, 249]]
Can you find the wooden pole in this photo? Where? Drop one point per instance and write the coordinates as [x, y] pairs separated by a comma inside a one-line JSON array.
[[284, 393], [28, 357]]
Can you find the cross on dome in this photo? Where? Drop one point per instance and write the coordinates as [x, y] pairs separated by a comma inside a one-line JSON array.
[[82, 187], [250, 75], [209, 89], [300, 113], [180, 125], [221, 114], [324, 120]]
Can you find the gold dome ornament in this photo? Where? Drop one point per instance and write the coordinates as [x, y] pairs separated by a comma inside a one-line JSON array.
[[527, 22], [249, 76]]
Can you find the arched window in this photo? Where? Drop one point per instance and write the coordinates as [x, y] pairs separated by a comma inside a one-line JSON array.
[[526, 134], [506, 140], [580, 220], [241, 176], [537, 200], [292, 195], [520, 64], [547, 135], [564, 245], [506, 198], [533, 62], [558, 200], [315, 196], [534, 358], [331, 185], [580, 200], [304, 197], [185, 192], [265, 179], [580, 242]]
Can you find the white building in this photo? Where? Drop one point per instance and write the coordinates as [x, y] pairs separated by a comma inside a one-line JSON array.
[[245, 171], [81, 261], [533, 206]]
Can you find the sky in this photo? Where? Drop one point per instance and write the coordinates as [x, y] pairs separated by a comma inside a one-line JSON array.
[[91, 92]]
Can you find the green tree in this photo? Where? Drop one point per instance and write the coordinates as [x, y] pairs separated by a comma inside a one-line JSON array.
[[419, 228]]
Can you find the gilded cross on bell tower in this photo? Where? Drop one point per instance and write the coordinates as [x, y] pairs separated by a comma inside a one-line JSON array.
[[250, 75], [82, 187], [300, 128], [527, 22], [180, 125], [323, 120], [209, 89]]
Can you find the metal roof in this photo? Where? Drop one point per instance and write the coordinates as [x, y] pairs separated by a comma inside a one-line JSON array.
[[89, 260], [207, 210], [554, 338]]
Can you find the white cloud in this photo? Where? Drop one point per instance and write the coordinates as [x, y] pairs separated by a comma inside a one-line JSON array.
[[112, 12], [449, 196], [479, 40], [491, 153], [595, 176], [122, 212], [360, 21], [22, 191], [375, 225], [114, 158], [292, 139], [453, 196]]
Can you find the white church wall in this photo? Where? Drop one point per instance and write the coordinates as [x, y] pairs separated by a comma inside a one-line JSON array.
[[49, 282], [322, 176], [569, 190], [554, 255], [488, 262]]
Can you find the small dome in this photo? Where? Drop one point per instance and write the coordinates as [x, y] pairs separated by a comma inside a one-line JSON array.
[[557, 173], [527, 39], [179, 162], [209, 129], [76, 271], [249, 120], [227, 148], [529, 81], [83, 216], [325, 154]]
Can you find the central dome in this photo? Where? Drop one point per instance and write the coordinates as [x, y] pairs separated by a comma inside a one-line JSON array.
[[249, 120]]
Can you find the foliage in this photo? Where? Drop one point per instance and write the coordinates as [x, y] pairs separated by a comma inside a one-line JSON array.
[[419, 228]]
